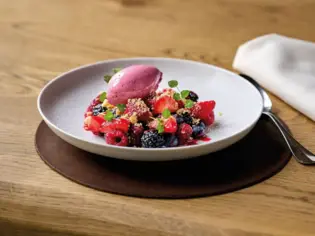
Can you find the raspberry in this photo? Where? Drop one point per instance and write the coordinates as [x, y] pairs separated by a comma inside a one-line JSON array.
[[210, 119], [184, 132], [136, 132], [117, 138], [139, 107], [204, 111], [116, 124]]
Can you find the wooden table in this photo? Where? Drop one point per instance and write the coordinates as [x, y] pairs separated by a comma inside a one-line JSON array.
[[40, 39]]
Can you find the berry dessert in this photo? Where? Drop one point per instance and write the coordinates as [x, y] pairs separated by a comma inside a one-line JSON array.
[[134, 113]]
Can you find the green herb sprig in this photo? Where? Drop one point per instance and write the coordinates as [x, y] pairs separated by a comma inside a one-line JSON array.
[[166, 113], [103, 96], [121, 107], [181, 95], [107, 78], [160, 126], [108, 115]]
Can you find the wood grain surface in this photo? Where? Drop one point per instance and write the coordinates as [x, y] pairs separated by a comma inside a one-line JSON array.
[[40, 39]]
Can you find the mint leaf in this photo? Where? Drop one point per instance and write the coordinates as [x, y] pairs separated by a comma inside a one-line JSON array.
[[103, 96], [121, 107], [166, 113], [173, 83], [189, 104], [107, 78], [109, 115], [115, 70], [176, 96], [184, 93], [160, 126]]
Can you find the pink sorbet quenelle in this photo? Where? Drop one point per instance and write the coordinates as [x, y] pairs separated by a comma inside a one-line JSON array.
[[137, 81]]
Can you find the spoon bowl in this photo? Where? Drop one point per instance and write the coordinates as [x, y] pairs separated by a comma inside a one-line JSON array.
[[300, 153]]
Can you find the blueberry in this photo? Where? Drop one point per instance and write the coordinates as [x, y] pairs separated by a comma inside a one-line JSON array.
[[198, 130], [152, 139], [193, 96], [184, 118], [179, 119], [97, 109], [188, 119], [171, 141]]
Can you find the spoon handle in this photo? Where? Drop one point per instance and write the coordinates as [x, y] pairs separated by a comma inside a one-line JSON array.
[[301, 154]]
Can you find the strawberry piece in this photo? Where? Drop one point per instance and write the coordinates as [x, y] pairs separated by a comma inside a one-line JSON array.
[[93, 123], [139, 107], [88, 113], [204, 111], [116, 124], [170, 125], [165, 102], [153, 124]]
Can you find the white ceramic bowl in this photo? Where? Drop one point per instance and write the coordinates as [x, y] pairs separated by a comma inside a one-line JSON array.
[[63, 101]]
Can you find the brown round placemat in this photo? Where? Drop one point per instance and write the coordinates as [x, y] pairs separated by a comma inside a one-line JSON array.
[[255, 158]]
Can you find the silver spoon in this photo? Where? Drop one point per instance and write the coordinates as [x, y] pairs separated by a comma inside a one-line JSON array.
[[300, 153]]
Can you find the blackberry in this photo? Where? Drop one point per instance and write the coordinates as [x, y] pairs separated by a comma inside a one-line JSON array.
[[193, 96], [152, 139], [97, 109], [198, 130], [171, 141]]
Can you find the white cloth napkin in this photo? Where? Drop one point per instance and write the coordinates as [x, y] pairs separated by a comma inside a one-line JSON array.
[[284, 66]]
